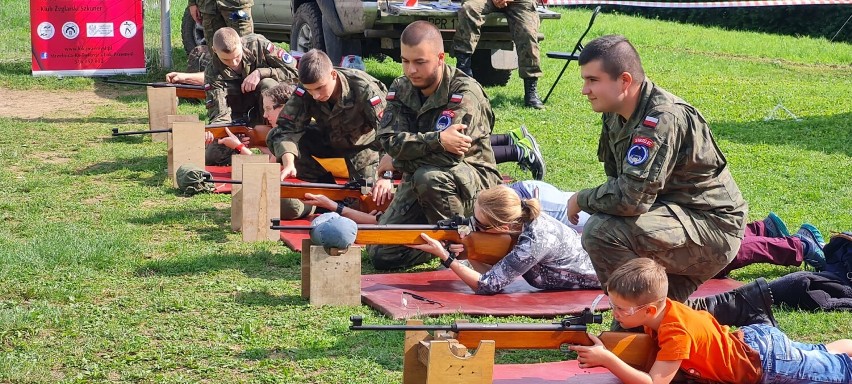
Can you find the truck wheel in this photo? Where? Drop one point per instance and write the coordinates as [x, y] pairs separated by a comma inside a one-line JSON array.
[[337, 48], [191, 33], [307, 29], [484, 72]]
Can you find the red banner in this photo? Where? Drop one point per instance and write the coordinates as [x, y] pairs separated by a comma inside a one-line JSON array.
[[86, 37]]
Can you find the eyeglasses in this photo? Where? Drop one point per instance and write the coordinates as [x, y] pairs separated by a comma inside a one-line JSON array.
[[479, 226], [630, 311]]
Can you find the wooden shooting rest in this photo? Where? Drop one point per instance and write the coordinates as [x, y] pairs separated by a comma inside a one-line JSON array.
[[444, 356]]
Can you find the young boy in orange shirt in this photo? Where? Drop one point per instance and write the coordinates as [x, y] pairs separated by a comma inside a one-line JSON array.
[[693, 342]]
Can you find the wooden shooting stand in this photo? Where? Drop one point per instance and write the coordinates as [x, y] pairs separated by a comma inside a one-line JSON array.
[[237, 203], [444, 357], [185, 144], [331, 278], [162, 102], [261, 199]]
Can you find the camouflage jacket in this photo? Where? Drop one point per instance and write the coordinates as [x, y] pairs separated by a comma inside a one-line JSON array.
[[410, 129], [258, 54], [665, 154], [350, 123], [211, 6]]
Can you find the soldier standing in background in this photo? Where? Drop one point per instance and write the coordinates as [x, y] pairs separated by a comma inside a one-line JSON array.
[[215, 14], [523, 24]]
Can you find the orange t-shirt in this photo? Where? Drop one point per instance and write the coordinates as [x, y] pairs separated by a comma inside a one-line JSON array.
[[708, 350]]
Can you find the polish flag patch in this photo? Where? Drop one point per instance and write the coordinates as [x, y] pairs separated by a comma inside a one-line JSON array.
[[270, 47], [391, 96], [643, 141], [299, 91], [650, 122], [375, 100], [456, 98]]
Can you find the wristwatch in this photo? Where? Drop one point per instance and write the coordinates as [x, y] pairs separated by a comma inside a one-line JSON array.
[[387, 175], [450, 259]]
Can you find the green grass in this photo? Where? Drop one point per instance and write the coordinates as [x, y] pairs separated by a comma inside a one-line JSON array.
[[108, 274]]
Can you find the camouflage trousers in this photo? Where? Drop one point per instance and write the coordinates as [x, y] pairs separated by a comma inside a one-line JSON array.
[[211, 22], [246, 106], [426, 196], [523, 24], [360, 161], [658, 234]]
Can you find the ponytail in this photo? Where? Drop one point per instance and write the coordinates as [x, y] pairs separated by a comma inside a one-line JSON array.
[[530, 209]]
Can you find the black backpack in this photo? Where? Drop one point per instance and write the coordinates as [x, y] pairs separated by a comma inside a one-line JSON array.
[[838, 256]]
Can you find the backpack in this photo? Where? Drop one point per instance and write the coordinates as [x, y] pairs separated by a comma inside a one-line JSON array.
[[838, 256]]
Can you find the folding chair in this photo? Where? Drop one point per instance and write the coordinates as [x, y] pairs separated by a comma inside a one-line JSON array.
[[574, 55]]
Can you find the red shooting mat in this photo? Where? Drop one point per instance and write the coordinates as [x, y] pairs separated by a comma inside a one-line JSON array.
[[562, 372], [384, 293]]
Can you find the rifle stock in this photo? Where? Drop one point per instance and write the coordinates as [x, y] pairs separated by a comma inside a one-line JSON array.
[[488, 248], [636, 349]]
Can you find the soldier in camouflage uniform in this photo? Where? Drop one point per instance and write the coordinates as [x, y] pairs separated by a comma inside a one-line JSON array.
[[523, 24], [346, 105], [241, 69], [669, 194], [216, 14], [436, 128]]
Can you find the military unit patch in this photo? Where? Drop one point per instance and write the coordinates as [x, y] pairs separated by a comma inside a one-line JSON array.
[[650, 122], [637, 154], [456, 98], [285, 57], [299, 91], [391, 96], [375, 100], [445, 120]]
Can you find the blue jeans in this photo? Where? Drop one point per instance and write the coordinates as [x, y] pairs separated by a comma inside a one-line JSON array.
[[786, 361], [554, 202]]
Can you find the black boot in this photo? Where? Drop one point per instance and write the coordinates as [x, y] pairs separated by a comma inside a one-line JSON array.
[[749, 304], [463, 63], [531, 93]]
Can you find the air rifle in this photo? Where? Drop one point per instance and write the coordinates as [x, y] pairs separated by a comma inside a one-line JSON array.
[[256, 135], [186, 91], [636, 349], [359, 189], [483, 247]]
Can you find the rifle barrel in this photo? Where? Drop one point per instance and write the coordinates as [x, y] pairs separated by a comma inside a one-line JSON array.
[[115, 132], [156, 85]]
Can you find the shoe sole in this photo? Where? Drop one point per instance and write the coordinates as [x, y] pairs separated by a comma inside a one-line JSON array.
[[817, 235], [779, 224], [536, 150]]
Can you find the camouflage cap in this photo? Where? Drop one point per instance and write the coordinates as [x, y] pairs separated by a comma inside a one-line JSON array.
[[190, 180]]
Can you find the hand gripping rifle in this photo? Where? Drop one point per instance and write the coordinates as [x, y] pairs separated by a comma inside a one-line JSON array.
[[186, 91], [257, 136], [484, 247], [636, 349], [358, 189]]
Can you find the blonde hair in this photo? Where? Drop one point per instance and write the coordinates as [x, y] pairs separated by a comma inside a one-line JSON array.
[[501, 205], [226, 40], [640, 280]]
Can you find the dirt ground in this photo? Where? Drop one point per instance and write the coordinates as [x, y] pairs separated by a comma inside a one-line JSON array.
[[43, 103]]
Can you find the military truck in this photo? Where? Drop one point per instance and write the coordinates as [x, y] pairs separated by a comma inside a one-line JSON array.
[[373, 27]]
